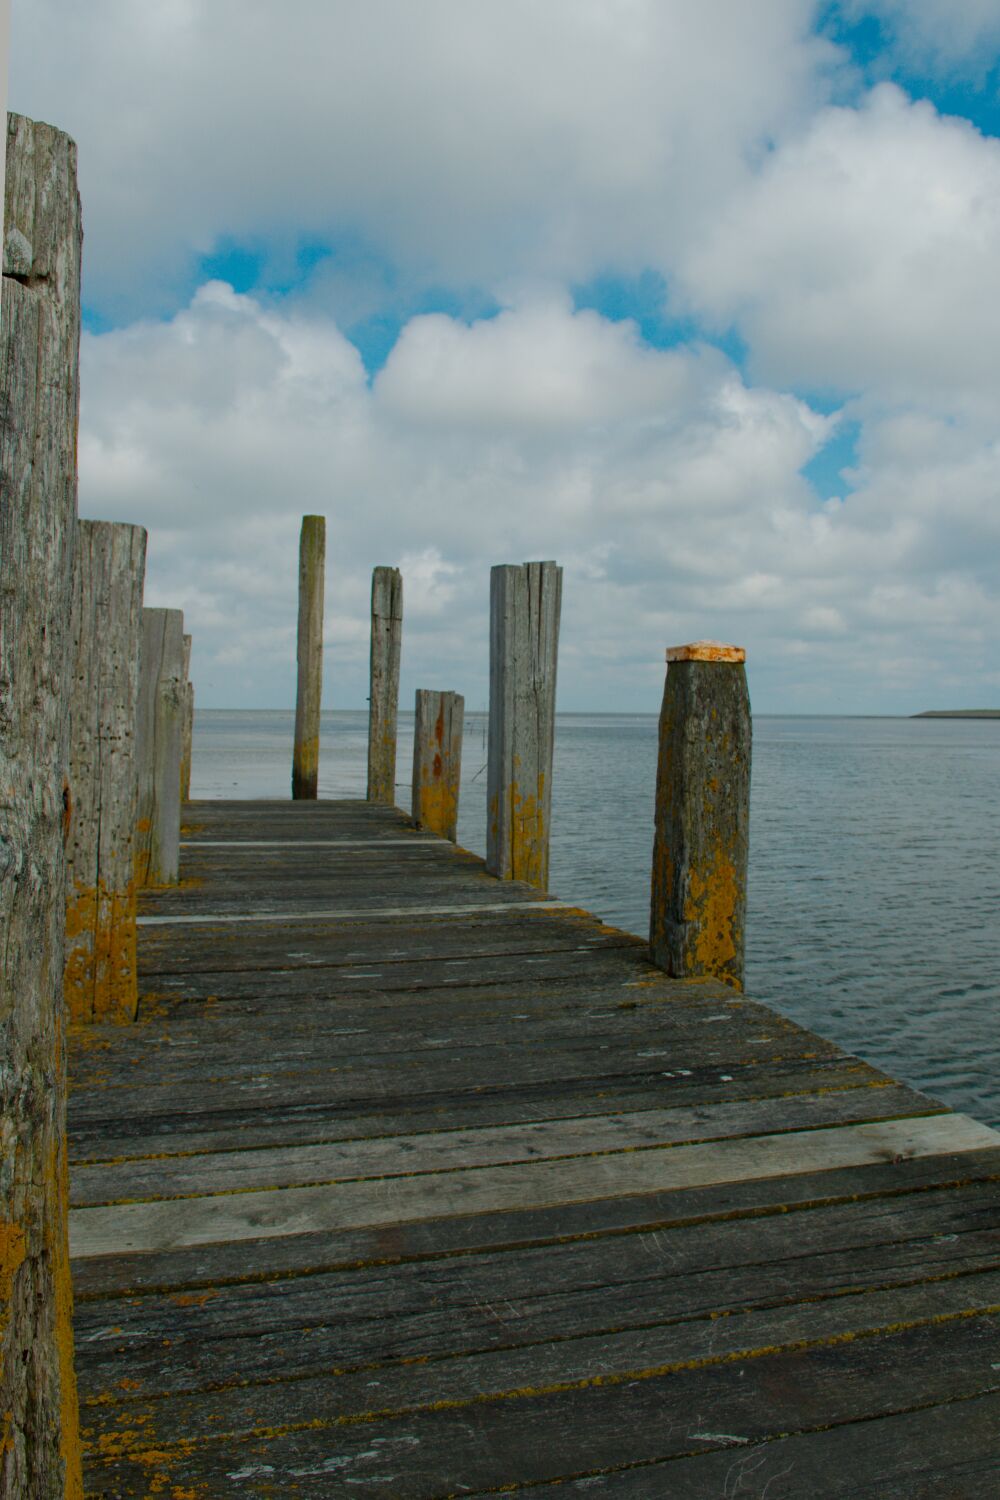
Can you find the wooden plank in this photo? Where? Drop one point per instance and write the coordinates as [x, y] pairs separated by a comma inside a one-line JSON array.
[[356, 914], [437, 761], [309, 692], [949, 1452], [494, 1373], [100, 1231], [100, 979], [525, 605], [383, 692], [431, 1151], [39, 400], [101, 1137], [918, 1195], [540, 1434], [159, 733]]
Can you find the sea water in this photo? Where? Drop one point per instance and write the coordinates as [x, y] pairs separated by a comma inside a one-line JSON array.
[[874, 890]]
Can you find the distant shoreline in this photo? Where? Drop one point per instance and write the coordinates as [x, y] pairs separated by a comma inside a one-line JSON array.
[[958, 713]]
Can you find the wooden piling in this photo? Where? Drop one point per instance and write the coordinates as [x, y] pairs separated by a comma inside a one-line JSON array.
[[39, 392], [187, 732], [383, 698], [698, 907], [312, 577], [524, 642], [437, 761], [106, 634], [159, 738]]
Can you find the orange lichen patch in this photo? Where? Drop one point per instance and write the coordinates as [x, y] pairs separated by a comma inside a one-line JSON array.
[[190, 1299], [529, 841], [100, 975], [13, 1249], [706, 651], [57, 1249], [712, 905], [305, 765]]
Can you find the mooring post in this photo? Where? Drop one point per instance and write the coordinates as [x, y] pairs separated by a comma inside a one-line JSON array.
[[39, 398], [524, 644], [437, 761], [383, 696], [106, 635], [187, 731], [309, 697], [159, 737], [698, 908]]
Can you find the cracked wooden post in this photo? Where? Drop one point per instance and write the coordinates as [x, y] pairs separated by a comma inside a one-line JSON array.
[[698, 907], [106, 634], [524, 642], [39, 388], [187, 731], [437, 761], [383, 696], [159, 736], [309, 697]]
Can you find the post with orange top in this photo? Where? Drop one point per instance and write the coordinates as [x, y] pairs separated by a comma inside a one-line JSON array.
[[525, 604], [105, 638], [698, 909], [309, 697], [383, 693], [437, 761]]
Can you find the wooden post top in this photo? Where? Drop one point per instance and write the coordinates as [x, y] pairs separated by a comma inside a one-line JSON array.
[[706, 651]]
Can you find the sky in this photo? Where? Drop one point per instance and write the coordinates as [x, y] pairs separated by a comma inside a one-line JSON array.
[[702, 301]]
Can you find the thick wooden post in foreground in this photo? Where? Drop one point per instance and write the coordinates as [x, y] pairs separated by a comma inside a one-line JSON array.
[[159, 738], [312, 577], [100, 981], [698, 908], [383, 698], [39, 388], [437, 761], [187, 735], [524, 643]]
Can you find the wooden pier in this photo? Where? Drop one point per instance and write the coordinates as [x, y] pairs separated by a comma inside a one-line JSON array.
[[410, 1182]]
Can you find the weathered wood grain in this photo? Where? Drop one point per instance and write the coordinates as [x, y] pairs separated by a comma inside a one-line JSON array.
[[309, 693], [437, 761], [39, 396], [525, 605], [701, 845], [297, 1210], [187, 734], [106, 636], [383, 690], [159, 736]]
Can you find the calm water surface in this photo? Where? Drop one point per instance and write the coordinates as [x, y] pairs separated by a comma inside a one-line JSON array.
[[874, 901]]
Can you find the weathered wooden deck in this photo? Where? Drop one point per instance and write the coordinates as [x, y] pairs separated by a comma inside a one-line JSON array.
[[409, 1183]]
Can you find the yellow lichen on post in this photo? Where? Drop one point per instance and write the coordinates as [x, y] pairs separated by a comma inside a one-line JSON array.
[[101, 979], [437, 761], [698, 902]]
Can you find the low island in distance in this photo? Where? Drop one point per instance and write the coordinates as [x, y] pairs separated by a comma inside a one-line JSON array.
[[958, 713]]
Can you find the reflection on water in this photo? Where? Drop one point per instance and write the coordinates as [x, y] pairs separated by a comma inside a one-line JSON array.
[[874, 867]]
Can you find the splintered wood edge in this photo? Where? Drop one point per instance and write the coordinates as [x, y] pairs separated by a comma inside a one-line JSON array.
[[706, 651]]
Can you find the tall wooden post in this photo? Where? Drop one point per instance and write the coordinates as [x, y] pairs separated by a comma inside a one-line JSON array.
[[39, 389], [159, 738], [437, 761], [309, 698], [524, 645], [187, 733], [698, 909], [383, 698], [106, 634]]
